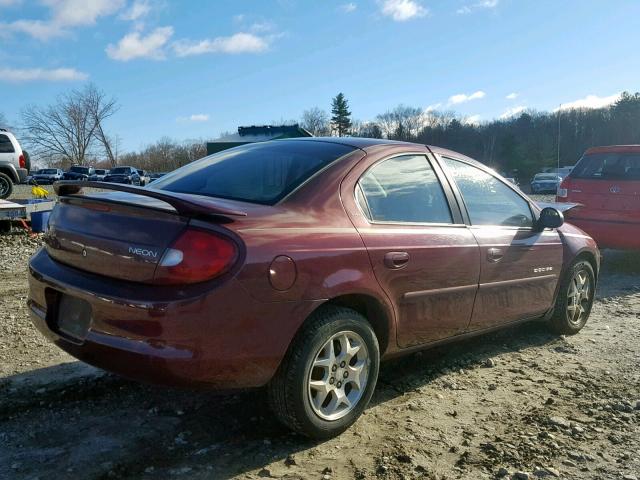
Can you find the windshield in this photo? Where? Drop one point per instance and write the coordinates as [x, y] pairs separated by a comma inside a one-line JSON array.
[[80, 169], [120, 170], [48, 171], [259, 172], [604, 166], [100, 172], [546, 176]]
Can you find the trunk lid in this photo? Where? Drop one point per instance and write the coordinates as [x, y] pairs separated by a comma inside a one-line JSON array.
[[123, 234], [124, 241]]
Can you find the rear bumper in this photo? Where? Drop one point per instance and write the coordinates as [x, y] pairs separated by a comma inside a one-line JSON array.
[[610, 234], [219, 338]]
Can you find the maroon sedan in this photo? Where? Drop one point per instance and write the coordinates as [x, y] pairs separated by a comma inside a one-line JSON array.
[[299, 265]]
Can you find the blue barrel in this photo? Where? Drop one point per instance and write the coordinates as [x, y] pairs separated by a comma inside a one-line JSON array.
[[40, 221]]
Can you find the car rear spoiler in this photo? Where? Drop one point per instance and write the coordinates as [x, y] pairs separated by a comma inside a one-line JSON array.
[[561, 207], [184, 203]]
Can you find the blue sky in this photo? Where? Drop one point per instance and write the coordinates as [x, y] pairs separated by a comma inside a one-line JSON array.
[[193, 69]]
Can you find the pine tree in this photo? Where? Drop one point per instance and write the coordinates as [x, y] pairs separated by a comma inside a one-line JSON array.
[[341, 116]]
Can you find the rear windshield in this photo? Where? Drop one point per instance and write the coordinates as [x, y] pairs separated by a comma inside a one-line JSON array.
[[612, 165], [100, 172], [49, 171], [258, 172], [79, 169], [546, 176], [120, 170]]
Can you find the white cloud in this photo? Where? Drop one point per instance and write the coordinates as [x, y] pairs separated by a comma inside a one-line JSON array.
[[348, 7], [235, 44], [512, 96], [590, 102], [138, 10], [462, 97], [196, 117], [20, 75], [402, 10], [37, 29], [483, 4], [65, 14], [262, 27], [432, 107], [135, 45], [472, 120], [512, 112], [69, 13]]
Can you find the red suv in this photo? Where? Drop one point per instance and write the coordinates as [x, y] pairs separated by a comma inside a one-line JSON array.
[[606, 184], [299, 264]]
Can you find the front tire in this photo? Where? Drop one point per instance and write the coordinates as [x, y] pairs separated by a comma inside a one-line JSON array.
[[575, 299], [328, 375]]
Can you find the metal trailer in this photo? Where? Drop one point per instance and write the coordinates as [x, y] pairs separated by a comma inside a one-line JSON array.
[[21, 210]]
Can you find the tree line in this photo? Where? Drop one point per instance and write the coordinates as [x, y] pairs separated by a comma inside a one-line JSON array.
[[72, 131]]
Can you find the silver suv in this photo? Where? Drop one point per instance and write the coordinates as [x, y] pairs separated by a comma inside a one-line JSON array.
[[13, 164]]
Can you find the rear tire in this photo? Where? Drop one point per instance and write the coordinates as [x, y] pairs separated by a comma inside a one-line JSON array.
[[328, 375], [6, 186], [575, 299]]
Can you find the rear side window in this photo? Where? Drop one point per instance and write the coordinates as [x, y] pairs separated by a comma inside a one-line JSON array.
[[259, 172], [403, 189], [488, 200], [608, 166], [5, 145]]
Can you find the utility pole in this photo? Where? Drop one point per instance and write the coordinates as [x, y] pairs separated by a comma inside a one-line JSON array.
[[559, 110]]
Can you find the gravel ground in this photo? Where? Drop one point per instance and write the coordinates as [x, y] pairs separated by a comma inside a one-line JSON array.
[[522, 403]]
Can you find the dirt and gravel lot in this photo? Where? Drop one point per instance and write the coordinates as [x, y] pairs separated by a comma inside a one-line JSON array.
[[522, 403]]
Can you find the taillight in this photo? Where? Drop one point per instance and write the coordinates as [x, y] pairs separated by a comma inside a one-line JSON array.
[[563, 189], [196, 256], [23, 164]]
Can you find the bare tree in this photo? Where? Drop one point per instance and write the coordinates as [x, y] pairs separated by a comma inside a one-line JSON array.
[[72, 128], [316, 121], [403, 122]]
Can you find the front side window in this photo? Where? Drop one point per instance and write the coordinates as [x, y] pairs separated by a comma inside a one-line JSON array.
[[403, 189], [5, 144], [488, 200]]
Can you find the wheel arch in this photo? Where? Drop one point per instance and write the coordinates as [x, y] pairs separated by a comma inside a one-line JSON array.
[[589, 257], [10, 172], [374, 310]]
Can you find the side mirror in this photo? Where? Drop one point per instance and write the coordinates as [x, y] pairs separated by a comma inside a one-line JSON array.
[[550, 218]]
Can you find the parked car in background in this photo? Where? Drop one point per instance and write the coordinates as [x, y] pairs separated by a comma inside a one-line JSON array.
[[545, 183], [299, 264], [127, 175], [564, 171], [155, 176], [46, 176], [78, 172], [13, 164], [144, 177], [98, 175], [606, 183]]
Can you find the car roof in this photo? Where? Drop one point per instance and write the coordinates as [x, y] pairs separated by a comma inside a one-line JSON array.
[[614, 149], [356, 142]]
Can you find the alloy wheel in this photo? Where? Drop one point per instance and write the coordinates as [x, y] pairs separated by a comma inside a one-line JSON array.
[[579, 297], [338, 375]]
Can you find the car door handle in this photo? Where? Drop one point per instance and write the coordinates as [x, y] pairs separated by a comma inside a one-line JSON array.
[[396, 260], [494, 254]]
